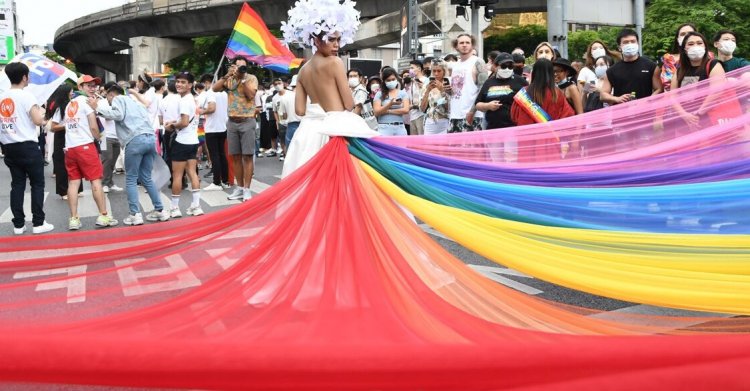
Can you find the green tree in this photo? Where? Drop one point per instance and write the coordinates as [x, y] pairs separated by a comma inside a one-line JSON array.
[[525, 37], [579, 41], [709, 16]]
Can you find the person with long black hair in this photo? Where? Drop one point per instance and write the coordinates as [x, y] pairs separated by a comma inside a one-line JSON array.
[[55, 105], [390, 105]]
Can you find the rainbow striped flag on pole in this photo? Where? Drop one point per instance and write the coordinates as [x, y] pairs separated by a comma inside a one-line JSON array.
[[252, 40]]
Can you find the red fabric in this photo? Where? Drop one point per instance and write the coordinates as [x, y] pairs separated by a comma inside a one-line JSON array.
[[317, 283], [541, 148]]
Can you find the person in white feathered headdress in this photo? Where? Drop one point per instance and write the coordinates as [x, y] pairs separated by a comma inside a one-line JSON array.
[[324, 25]]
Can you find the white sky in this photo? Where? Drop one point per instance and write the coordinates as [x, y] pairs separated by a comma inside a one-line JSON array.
[[39, 19]]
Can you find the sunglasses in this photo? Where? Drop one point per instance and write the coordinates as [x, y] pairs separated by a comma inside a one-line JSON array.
[[507, 65]]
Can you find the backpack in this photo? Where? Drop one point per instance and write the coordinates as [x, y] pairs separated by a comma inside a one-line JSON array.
[[593, 102]]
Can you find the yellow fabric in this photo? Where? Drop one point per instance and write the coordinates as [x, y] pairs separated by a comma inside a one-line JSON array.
[[695, 272]]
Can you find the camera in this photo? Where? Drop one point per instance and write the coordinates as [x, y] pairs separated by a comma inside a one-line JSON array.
[[242, 69]]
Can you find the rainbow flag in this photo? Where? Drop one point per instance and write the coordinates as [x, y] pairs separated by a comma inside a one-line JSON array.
[[530, 107], [252, 40]]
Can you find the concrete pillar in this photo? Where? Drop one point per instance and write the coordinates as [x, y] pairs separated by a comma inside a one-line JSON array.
[[149, 53], [454, 26], [639, 11], [557, 29]]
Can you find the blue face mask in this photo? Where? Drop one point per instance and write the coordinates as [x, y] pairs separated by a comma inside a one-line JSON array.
[[392, 85]]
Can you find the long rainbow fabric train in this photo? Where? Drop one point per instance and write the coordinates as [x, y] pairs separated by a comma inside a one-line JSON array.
[[323, 282]]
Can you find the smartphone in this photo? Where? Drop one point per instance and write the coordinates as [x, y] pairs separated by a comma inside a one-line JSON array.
[[432, 78], [446, 81]]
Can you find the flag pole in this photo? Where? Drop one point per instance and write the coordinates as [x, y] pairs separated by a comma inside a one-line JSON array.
[[218, 67]]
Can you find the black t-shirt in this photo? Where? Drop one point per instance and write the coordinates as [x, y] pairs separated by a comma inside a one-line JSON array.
[[501, 90], [629, 77], [696, 74]]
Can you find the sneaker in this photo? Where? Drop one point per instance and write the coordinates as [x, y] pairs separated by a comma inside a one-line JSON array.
[[19, 231], [246, 195], [213, 187], [194, 211], [156, 215], [175, 212], [281, 158], [105, 189], [279, 150], [40, 229], [115, 188], [106, 221], [119, 171], [136, 219], [226, 186], [74, 223], [65, 198], [236, 194], [271, 153]]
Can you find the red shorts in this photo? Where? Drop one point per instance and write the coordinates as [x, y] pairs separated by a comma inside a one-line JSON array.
[[83, 162]]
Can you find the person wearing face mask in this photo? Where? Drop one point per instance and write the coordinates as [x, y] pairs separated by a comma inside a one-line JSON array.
[[496, 96], [416, 90], [587, 77], [373, 86], [544, 50], [390, 105], [696, 66], [725, 41], [359, 92], [436, 102], [634, 77], [565, 76], [670, 62], [591, 96]]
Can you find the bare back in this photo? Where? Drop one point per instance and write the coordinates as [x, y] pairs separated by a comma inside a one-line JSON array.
[[323, 79]]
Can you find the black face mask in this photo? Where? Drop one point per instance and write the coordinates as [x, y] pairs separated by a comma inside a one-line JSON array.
[[407, 80], [427, 72]]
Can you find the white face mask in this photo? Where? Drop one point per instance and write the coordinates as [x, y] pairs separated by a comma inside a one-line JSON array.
[[546, 56], [353, 82], [392, 85], [375, 87], [278, 87], [504, 73], [679, 40], [596, 53], [601, 70], [630, 49], [696, 52], [727, 47]]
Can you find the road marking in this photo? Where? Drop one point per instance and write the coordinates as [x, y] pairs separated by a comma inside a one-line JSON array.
[[492, 272], [658, 316], [177, 269], [76, 286], [145, 200]]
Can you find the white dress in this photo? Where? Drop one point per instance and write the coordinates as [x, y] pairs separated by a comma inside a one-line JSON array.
[[314, 131]]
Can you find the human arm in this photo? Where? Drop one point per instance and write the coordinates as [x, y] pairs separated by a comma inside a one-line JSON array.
[[342, 84], [115, 112], [656, 86], [300, 99], [574, 96], [36, 114], [716, 77], [606, 94], [380, 109], [93, 125], [140, 97], [249, 87]]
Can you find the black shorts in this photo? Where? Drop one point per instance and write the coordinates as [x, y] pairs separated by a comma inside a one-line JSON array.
[[183, 152]]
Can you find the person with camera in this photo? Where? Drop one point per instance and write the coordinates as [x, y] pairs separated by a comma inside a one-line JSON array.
[[240, 88]]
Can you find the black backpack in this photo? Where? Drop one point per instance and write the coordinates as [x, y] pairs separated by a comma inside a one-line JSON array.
[[593, 102]]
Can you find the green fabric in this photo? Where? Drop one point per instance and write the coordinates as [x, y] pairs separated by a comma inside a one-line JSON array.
[[735, 63]]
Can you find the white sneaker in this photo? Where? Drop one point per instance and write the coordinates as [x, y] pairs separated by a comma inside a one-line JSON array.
[[40, 229], [226, 186], [175, 212], [279, 150], [236, 194], [158, 216], [19, 231], [213, 187], [246, 195], [194, 211], [106, 221], [115, 188], [136, 219], [105, 189]]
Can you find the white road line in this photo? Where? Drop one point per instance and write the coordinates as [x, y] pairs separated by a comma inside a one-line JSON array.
[[659, 316], [492, 274], [7, 215], [145, 200]]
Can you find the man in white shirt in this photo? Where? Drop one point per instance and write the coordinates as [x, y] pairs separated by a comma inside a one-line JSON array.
[[467, 76], [169, 111], [415, 90], [81, 156], [281, 119], [20, 116], [214, 106]]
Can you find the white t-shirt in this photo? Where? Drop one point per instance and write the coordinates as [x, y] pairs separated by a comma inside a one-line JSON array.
[[415, 95], [77, 130], [586, 76], [464, 89], [170, 108], [17, 127], [153, 108], [189, 134], [288, 107], [276, 102], [216, 122]]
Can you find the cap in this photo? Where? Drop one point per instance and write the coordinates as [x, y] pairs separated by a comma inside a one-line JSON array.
[[293, 83], [503, 58], [88, 79], [518, 58], [145, 77]]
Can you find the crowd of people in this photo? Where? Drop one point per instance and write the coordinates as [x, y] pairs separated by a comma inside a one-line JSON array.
[[227, 122]]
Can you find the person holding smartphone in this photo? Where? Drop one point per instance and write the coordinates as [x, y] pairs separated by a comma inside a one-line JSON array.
[[391, 103], [436, 100]]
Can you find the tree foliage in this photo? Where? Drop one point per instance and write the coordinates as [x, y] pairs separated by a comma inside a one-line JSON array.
[[61, 60], [525, 37], [579, 41], [709, 16]]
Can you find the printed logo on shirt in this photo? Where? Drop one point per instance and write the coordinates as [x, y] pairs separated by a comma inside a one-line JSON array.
[[498, 91], [7, 107], [72, 109]]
